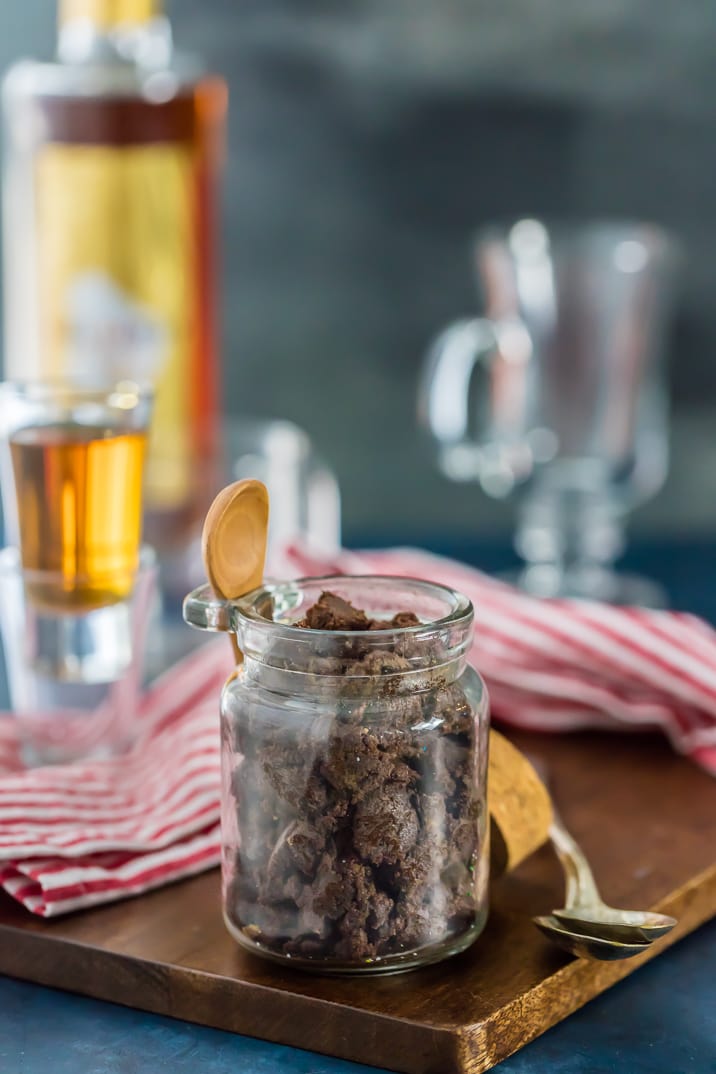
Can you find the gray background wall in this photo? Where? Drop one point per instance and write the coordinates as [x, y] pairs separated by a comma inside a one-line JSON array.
[[369, 138]]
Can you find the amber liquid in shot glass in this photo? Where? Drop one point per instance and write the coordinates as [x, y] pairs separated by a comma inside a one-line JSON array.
[[79, 499]]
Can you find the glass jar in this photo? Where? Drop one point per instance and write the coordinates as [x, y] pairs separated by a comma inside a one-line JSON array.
[[354, 815]]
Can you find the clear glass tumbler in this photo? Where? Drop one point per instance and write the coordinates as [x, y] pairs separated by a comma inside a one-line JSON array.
[[557, 396], [304, 492], [354, 817]]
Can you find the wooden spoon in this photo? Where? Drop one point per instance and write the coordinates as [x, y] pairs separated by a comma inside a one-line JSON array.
[[233, 542]]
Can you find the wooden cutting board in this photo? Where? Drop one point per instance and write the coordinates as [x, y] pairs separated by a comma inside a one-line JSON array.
[[646, 819]]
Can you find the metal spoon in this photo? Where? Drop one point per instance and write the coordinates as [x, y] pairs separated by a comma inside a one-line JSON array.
[[586, 913], [584, 946]]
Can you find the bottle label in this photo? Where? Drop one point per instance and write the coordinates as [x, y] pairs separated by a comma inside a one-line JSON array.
[[104, 13], [117, 284]]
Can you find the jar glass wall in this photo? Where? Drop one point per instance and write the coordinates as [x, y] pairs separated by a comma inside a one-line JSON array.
[[354, 818]]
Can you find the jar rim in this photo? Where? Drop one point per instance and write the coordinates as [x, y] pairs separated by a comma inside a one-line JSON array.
[[262, 621], [461, 606]]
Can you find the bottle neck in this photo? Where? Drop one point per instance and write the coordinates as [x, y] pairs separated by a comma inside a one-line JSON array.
[[132, 32]]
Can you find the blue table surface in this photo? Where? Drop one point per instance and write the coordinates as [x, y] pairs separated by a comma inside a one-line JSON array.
[[661, 1020]]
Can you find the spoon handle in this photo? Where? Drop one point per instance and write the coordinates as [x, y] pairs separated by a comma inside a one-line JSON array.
[[581, 889]]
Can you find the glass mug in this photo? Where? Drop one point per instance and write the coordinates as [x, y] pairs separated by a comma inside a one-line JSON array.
[[558, 394], [354, 769]]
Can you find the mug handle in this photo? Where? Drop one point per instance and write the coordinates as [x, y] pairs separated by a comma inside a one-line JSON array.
[[444, 396]]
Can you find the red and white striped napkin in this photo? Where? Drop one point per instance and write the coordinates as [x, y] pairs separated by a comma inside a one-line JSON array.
[[85, 833], [77, 835]]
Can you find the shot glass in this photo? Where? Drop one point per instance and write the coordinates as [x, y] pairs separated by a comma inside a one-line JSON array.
[[76, 590], [72, 470]]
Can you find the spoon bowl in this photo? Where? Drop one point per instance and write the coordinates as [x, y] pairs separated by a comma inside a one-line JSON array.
[[585, 912], [233, 542], [599, 948], [628, 925]]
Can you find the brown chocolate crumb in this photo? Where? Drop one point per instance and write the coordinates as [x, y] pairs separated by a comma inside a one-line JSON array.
[[331, 612]]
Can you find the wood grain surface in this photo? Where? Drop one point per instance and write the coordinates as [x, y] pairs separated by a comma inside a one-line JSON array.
[[646, 819]]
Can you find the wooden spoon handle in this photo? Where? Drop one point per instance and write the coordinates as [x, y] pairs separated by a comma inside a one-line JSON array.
[[519, 804], [238, 655]]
